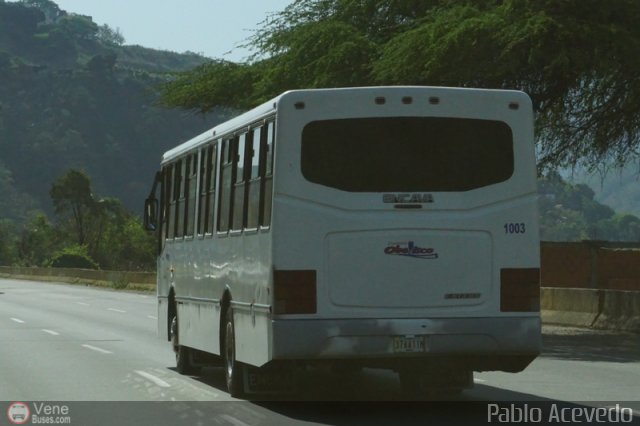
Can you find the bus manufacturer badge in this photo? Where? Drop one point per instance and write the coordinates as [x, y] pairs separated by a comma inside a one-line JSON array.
[[403, 198], [410, 249]]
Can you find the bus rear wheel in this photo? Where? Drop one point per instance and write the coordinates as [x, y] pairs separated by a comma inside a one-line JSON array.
[[234, 371], [184, 363]]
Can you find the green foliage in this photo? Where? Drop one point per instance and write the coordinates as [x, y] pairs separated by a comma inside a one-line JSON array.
[[109, 36], [48, 7], [120, 282], [616, 187], [73, 202], [570, 213], [14, 205], [8, 255], [576, 58], [77, 26], [37, 241], [102, 64], [102, 227], [194, 91], [75, 256]]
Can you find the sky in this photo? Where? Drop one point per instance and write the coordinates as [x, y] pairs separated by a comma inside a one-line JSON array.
[[213, 28]]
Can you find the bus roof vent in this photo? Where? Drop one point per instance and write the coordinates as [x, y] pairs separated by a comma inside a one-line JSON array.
[[514, 105], [407, 100], [434, 100], [381, 100], [299, 105]]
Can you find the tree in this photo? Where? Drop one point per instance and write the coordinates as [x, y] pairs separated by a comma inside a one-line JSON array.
[[74, 202], [37, 241], [48, 7], [7, 242], [103, 230], [102, 64], [576, 58], [78, 27], [109, 36], [570, 213]]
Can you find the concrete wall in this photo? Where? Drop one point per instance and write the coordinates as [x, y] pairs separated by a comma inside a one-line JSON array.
[[67, 274], [594, 308]]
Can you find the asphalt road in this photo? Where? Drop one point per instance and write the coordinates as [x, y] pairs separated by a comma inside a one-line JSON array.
[[73, 343]]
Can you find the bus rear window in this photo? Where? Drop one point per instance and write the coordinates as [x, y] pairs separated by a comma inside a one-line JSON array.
[[411, 154]]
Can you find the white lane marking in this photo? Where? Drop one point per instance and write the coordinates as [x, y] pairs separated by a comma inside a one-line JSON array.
[[19, 321], [157, 380], [116, 310], [51, 332], [152, 317], [83, 304], [97, 349], [479, 380], [233, 420]]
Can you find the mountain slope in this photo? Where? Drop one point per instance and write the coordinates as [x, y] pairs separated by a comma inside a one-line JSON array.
[[71, 98]]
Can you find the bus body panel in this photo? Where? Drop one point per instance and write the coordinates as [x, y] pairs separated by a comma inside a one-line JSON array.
[[202, 270], [407, 268], [465, 242]]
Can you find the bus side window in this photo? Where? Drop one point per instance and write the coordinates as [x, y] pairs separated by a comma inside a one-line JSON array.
[[166, 202], [239, 185], [226, 186], [212, 177], [207, 189], [175, 196], [181, 167], [190, 195], [202, 190], [253, 190], [266, 174]]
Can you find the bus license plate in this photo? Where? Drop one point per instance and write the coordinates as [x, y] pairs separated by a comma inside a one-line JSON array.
[[407, 344]]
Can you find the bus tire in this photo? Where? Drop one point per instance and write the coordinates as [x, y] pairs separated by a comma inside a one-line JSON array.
[[184, 364], [234, 371]]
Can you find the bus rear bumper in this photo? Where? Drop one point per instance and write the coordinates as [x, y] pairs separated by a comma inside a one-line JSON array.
[[481, 344]]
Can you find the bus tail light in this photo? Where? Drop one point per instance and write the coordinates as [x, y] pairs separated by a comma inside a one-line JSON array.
[[294, 292], [520, 290]]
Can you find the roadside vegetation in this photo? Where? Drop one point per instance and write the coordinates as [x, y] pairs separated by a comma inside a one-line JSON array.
[[87, 232]]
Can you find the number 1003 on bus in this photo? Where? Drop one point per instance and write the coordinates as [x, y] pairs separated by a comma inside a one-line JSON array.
[[514, 228]]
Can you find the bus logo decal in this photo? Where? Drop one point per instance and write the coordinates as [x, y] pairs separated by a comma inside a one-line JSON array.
[[410, 249], [407, 198]]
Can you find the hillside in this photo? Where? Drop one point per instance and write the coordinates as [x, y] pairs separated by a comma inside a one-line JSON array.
[[72, 96], [618, 187], [571, 212]]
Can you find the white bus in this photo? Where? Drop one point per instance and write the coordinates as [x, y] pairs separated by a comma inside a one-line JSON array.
[[383, 227]]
